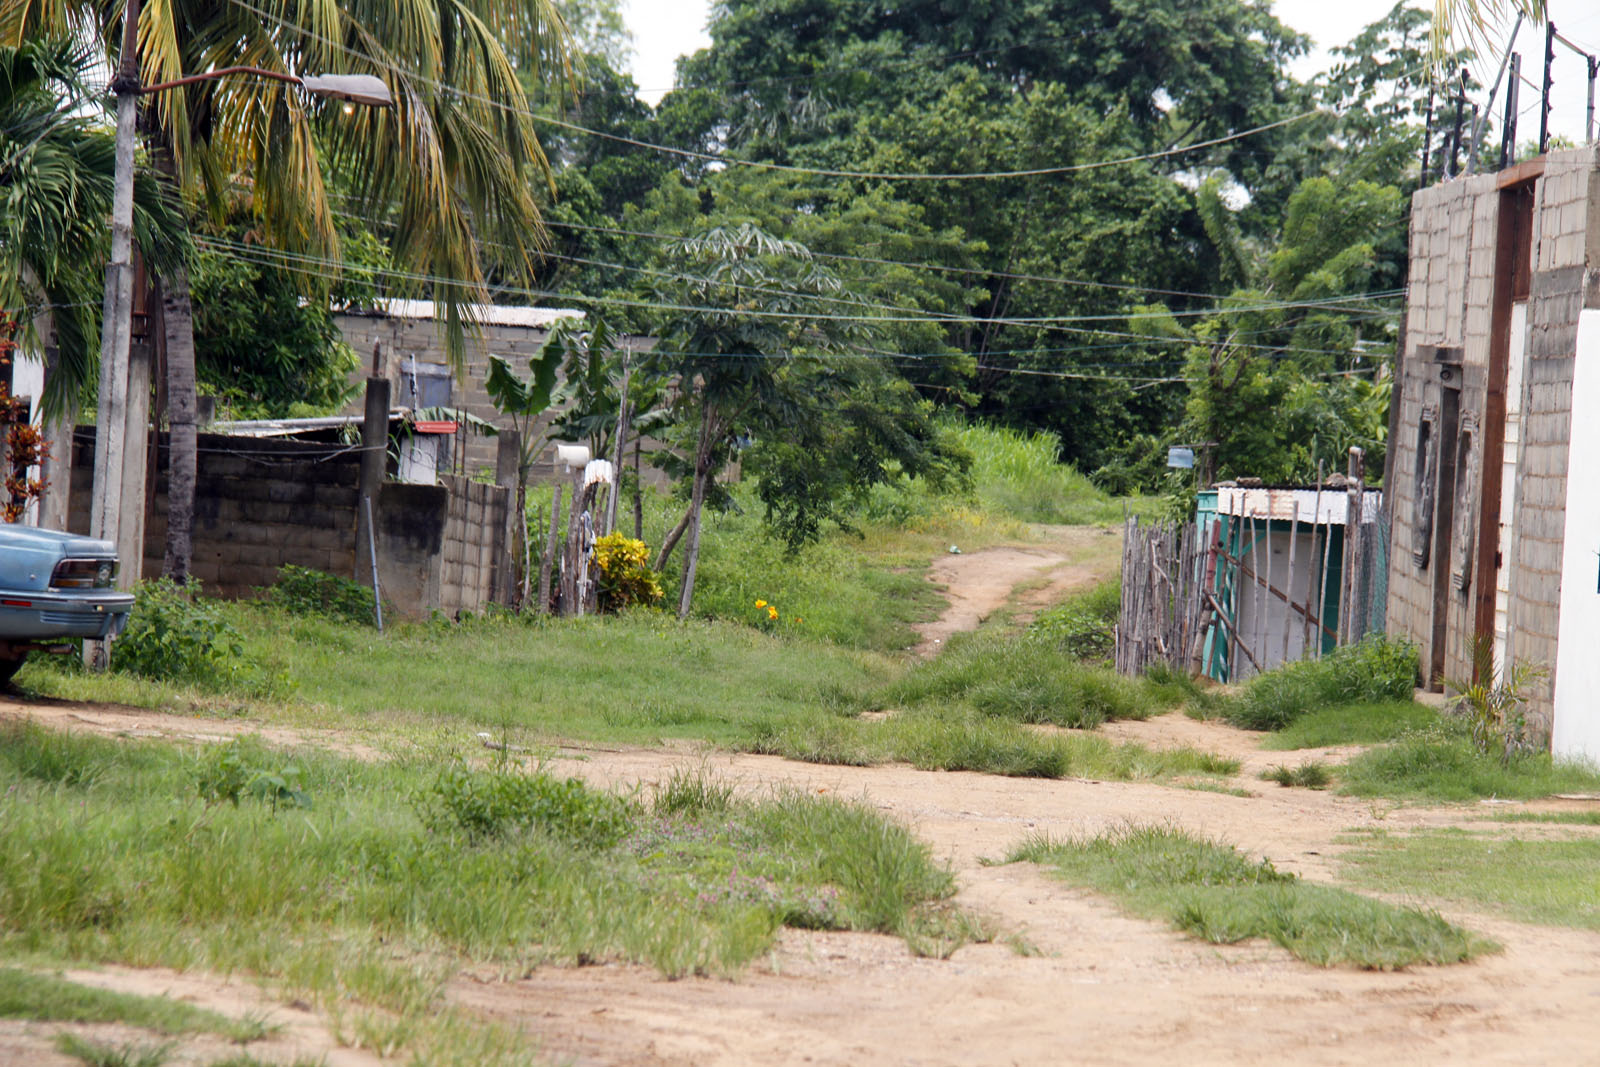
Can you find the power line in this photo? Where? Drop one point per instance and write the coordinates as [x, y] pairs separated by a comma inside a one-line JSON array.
[[1047, 321], [784, 167]]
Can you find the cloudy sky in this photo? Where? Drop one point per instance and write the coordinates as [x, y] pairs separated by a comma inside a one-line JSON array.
[[666, 29]]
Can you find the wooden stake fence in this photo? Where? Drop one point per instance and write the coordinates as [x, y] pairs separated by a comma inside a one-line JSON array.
[[1162, 596]]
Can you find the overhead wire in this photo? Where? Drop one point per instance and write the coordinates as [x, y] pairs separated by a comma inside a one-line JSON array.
[[756, 164]]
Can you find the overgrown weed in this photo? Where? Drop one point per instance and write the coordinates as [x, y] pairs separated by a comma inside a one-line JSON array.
[[1214, 892]]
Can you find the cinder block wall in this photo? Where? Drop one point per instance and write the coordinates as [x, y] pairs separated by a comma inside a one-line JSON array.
[[402, 339], [1566, 231], [261, 504], [1454, 227]]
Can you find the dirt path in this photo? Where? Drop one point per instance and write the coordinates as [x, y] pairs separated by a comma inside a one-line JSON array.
[[1103, 989], [1031, 577], [1100, 989]]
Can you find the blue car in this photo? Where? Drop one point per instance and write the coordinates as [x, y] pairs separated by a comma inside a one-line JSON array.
[[53, 587]]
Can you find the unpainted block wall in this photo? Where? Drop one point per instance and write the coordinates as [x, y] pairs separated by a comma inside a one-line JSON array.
[[1453, 232], [402, 339], [261, 504]]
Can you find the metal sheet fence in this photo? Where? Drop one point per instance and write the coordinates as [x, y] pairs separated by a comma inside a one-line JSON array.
[[1181, 592]]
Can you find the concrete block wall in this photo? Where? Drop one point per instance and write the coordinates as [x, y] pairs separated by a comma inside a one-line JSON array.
[[402, 339], [261, 504], [1566, 227], [475, 554], [1453, 229], [1449, 300]]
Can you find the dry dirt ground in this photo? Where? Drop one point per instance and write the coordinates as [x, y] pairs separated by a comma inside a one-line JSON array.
[[1101, 988]]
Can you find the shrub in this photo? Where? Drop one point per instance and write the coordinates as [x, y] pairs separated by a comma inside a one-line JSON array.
[[1374, 670], [625, 575], [492, 804], [1494, 703], [232, 773], [176, 635], [303, 591], [1084, 626]]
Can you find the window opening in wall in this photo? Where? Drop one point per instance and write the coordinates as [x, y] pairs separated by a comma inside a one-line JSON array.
[[1467, 480], [1426, 486]]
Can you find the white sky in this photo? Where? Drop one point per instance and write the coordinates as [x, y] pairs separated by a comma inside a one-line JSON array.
[[666, 29]]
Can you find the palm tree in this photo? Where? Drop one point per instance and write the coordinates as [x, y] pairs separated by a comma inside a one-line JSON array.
[[450, 165], [56, 177], [1473, 20]]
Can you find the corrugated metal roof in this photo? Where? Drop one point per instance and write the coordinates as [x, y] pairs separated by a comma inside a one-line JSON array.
[[1332, 509], [487, 314]]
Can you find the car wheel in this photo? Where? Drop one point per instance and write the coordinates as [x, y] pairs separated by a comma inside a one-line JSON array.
[[9, 667]]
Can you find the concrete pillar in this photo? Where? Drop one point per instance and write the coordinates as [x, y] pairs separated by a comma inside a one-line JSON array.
[[374, 464]]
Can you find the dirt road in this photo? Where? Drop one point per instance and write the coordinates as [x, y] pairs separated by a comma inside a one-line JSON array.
[[1100, 989]]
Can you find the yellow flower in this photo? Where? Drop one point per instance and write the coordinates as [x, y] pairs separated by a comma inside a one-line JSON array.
[[761, 603], [772, 613]]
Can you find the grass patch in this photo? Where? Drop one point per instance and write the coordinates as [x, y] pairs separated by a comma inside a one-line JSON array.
[[1313, 775], [1549, 882], [1021, 474], [28, 995], [1443, 766], [130, 864], [1217, 787], [1022, 679], [1570, 818], [1377, 669], [1214, 892], [1353, 724], [957, 739], [99, 1054]]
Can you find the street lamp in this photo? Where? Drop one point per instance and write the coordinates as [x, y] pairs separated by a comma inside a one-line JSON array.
[[110, 446]]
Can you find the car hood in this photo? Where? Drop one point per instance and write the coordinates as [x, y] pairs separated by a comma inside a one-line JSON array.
[[54, 542]]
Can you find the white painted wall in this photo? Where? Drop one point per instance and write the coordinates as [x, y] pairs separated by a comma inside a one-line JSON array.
[[27, 379], [1576, 730]]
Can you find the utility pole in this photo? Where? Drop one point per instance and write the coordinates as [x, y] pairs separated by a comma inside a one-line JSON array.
[[116, 333]]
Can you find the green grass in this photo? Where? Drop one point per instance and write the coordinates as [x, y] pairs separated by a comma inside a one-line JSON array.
[[1547, 881], [1353, 724], [1377, 669], [99, 1054], [1020, 474], [1214, 892], [28, 995], [1023, 678], [1570, 818], [134, 867], [1443, 766], [954, 739], [1313, 775]]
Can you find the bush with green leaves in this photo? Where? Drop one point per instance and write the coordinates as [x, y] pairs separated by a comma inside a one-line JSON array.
[[235, 771], [625, 575], [487, 804], [174, 634], [1376, 669], [1084, 627], [303, 591]]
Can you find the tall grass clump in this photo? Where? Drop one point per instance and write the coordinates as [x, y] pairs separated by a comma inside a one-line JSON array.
[[1022, 678], [1442, 765], [505, 865], [1214, 892], [1021, 474], [1084, 625], [1376, 669]]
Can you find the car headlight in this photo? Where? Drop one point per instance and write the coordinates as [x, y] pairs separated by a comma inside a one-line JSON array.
[[84, 574]]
